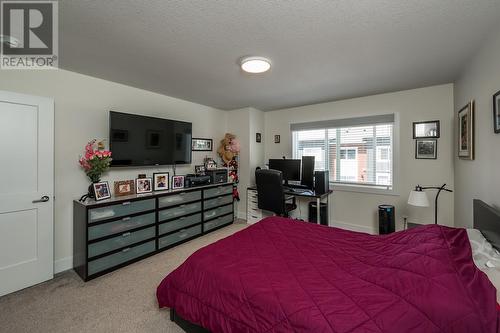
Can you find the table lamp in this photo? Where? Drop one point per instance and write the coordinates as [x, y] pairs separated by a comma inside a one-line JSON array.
[[419, 198]]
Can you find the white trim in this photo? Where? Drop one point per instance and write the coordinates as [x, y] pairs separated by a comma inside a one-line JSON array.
[[353, 227], [363, 189], [63, 264], [241, 215]]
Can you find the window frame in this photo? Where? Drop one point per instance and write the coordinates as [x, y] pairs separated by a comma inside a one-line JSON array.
[[370, 189]]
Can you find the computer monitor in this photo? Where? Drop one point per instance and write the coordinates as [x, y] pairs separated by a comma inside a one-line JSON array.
[[289, 168]]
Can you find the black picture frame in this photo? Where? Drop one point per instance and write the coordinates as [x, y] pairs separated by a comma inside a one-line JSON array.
[[419, 155], [496, 112], [178, 182], [277, 138], [435, 135], [101, 191], [143, 185], [258, 137], [202, 144], [156, 184]]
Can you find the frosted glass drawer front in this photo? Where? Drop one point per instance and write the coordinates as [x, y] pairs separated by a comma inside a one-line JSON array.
[[179, 211], [179, 236], [218, 191], [122, 209], [180, 223], [125, 255], [122, 225], [219, 201], [176, 199], [117, 242], [218, 222], [218, 212]]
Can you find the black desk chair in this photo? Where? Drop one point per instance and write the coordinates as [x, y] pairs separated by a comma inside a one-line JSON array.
[[270, 193]]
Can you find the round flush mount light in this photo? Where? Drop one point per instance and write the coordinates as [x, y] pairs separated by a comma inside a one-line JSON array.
[[255, 65]]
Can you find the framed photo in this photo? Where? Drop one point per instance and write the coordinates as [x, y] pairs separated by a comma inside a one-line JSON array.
[[199, 169], [258, 137], [124, 187], [210, 164], [177, 182], [102, 191], [496, 112], [426, 149], [466, 132], [161, 181], [277, 139], [198, 144], [143, 185], [426, 129]]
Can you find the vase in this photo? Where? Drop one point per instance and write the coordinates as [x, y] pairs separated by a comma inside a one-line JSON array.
[[91, 192]]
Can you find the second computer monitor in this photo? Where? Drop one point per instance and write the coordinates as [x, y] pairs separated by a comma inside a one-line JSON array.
[[289, 168]]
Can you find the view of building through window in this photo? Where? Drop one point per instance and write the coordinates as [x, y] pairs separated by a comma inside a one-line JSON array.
[[359, 155]]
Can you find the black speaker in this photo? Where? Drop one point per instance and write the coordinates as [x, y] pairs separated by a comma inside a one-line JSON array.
[[307, 178], [321, 182], [386, 219]]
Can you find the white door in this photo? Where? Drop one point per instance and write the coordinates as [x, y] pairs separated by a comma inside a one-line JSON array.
[[26, 190]]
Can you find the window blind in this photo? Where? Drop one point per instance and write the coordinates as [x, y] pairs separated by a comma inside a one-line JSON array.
[[357, 151]]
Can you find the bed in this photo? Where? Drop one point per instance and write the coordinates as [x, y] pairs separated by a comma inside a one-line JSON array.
[[281, 275]]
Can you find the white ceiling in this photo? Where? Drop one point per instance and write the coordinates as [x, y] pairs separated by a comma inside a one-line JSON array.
[[321, 50]]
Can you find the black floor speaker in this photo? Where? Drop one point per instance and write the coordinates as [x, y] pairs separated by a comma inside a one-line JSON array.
[[321, 182], [307, 178]]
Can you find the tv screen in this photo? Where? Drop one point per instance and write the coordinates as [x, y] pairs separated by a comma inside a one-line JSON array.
[[138, 140]]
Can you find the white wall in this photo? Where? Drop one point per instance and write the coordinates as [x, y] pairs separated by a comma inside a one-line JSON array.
[[245, 123], [479, 179], [358, 210], [81, 113]]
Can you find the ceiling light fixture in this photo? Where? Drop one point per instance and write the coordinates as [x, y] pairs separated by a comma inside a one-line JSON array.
[[255, 65]]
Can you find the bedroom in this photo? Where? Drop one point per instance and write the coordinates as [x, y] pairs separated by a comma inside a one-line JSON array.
[[330, 61]]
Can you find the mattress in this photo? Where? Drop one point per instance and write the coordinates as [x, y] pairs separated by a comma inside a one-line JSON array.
[[281, 275]]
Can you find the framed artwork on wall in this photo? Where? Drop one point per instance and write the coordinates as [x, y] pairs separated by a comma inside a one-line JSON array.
[[199, 144], [496, 112], [426, 129], [466, 132], [277, 138], [426, 149], [258, 137]]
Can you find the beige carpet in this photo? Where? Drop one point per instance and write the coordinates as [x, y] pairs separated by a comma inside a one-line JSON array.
[[121, 301]]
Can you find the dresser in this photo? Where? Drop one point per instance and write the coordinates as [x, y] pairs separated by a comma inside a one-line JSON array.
[[113, 233]]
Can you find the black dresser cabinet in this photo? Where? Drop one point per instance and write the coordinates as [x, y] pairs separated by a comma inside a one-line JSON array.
[[113, 233]]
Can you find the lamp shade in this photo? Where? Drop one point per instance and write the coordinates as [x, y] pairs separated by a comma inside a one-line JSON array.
[[418, 198]]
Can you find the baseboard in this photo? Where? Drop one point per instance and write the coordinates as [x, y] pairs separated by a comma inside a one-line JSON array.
[[353, 227], [63, 264], [241, 215]]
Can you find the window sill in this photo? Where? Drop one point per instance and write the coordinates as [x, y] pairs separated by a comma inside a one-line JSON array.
[[363, 189]]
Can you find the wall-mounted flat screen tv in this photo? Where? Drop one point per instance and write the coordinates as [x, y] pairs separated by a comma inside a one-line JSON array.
[[136, 140]]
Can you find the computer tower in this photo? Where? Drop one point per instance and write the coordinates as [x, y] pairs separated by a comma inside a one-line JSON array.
[[386, 219], [321, 182], [307, 178]]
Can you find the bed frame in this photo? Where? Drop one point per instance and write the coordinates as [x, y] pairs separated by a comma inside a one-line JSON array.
[[486, 219]]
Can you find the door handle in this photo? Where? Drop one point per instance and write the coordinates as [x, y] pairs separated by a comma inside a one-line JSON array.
[[45, 198]]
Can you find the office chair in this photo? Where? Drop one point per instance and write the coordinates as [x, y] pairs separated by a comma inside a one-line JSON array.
[[270, 193]]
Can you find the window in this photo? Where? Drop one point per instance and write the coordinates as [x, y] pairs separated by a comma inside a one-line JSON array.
[[357, 151]]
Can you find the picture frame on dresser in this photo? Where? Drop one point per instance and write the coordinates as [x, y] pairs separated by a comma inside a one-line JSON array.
[[101, 191], [161, 181]]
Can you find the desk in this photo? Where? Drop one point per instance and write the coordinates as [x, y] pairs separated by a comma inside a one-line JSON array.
[[308, 194]]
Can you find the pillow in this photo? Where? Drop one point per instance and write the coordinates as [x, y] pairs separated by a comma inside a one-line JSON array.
[[486, 257]]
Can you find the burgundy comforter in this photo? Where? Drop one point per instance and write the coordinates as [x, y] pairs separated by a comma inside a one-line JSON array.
[[281, 275]]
